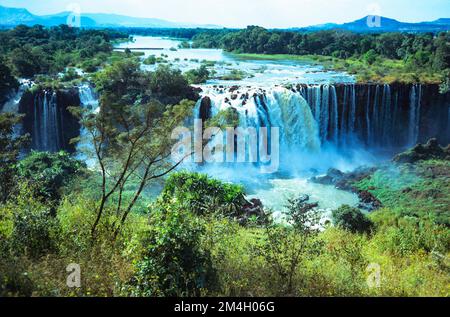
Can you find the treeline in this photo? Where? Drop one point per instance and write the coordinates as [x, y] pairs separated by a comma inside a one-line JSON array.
[[427, 50], [187, 34], [28, 51]]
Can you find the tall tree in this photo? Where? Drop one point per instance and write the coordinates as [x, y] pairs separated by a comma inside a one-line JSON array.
[[130, 137]]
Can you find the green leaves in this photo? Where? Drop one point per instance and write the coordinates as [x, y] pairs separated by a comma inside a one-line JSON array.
[[352, 219], [174, 262], [51, 171], [197, 191]]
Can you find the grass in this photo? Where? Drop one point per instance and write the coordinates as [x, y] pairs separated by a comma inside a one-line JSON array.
[[419, 190]]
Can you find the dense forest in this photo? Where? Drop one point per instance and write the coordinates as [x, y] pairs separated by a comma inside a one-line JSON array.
[[29, 51], [202, 236]]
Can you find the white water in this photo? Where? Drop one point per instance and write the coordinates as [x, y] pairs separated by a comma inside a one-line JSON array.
[[89, 101], [12, 104], [277, 191], [257, 72]]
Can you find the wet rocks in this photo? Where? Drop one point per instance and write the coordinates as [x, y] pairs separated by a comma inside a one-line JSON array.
[[346, 181], [343, 181], [253, 209], [368, 201]]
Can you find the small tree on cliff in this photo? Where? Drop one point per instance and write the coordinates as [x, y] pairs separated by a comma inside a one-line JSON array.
[[131, 139]]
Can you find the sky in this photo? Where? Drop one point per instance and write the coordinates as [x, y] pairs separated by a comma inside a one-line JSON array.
[[240, 13]]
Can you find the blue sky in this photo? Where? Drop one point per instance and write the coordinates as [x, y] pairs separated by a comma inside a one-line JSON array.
[[240, 13]]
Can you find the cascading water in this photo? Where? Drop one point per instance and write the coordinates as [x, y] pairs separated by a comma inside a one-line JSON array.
[[47, 123], [414, 114], [88, 101], [277, 107], [345, 115], [12, 105], [88, 98]]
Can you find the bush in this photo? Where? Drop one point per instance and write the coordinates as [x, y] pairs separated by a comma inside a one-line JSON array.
[[27, 224], [51, 171], [151, 60], [351, 219], [198, 192], [174, 262], [197, 76]]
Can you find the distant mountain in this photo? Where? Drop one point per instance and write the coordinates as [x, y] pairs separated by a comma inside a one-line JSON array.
[[383, 24], [16, 16]]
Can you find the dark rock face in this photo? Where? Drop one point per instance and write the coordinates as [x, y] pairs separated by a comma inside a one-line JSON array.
[[394, 116], [342, 180], [368, 201], [205, 109], [48, 120], [431, 150], [253, 209]]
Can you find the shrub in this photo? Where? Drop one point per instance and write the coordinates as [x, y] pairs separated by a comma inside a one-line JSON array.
[[51, 171], [151, 60], [198, 192], [174, 262], [351, 219], [28, 224], [197, 76]]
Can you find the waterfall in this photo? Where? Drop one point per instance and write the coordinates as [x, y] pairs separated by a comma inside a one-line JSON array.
[[345, 116], [89, 101], [88, 98], [324, 113], [414, 113], [277, 107], [299, 125], [335, 115], [386, 116], [46, 124], [12, 104], [368, 123], [352, 110], [375, 114]]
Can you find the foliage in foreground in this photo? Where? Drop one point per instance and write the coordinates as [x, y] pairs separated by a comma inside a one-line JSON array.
[[178, 253]]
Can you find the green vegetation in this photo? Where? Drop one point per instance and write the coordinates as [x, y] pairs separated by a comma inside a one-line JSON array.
[[351, 219], [199, 236], [189, 243], [199, 193], [197, 76], [49, 172], [386, 57], [420, 190], [235, 74], [7, 81], [9, 153], [38, 50], [225, 119], [151, 60]]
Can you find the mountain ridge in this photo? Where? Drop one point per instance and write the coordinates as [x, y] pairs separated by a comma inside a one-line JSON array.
[[15, 16], [11, 17]]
